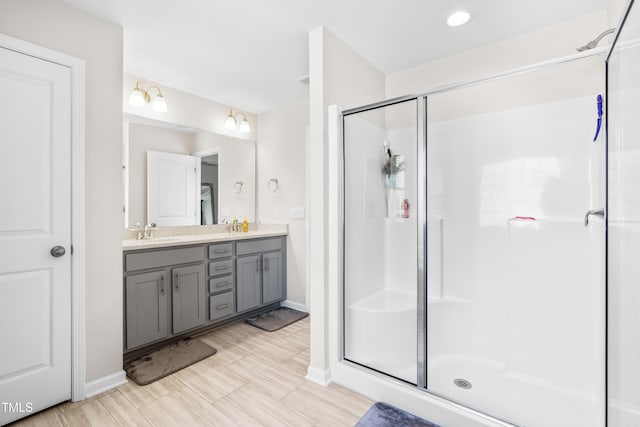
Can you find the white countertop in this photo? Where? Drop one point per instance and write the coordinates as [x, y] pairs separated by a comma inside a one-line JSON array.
[[191, 239]]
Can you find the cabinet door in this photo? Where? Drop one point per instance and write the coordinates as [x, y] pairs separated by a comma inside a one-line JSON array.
[[272, 280], [189, 294], [248, 282], [146, 308]]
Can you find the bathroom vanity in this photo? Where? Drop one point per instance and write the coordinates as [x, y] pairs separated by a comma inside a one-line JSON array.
[[179, 285]]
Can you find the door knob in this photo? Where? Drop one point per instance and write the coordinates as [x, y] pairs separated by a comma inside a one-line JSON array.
[[57, 251]]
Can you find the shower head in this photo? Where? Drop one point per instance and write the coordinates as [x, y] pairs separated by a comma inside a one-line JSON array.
[[593, 43]]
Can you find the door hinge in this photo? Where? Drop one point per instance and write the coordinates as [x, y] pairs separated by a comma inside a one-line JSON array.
[[71, 249]]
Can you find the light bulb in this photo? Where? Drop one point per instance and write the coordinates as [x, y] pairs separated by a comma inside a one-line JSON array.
[[159, 104], [244, 126], [230, 123], [136, 99], [458, 18]]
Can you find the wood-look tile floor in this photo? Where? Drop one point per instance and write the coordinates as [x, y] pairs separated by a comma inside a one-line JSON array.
[[257, 378]]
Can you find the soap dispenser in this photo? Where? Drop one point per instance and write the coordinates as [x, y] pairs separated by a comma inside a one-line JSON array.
[[245, 225]]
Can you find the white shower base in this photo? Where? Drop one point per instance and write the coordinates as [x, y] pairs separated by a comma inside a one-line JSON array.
[[382, 333], [557, 405]]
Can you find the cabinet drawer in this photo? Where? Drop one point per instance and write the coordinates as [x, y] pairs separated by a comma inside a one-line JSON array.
[[223, 283], [220, 250], [221, 305], [261, 245], [217, 268], [163, 258]]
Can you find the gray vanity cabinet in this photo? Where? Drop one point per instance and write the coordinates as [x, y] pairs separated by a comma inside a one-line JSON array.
[[188, 298], [248, 276], [272, 280], [146, 308], [260, 272], [176, 290], [221, 281], [165, 293]]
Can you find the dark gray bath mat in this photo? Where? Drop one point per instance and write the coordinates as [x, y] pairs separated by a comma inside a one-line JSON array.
[[384, 415], [167, 360], [276, 319]]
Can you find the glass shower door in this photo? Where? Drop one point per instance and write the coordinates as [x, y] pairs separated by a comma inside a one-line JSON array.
[[380, 239], [623, 221], [515, 311]]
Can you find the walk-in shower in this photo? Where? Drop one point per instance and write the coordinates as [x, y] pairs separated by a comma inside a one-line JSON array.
[[474, 241]]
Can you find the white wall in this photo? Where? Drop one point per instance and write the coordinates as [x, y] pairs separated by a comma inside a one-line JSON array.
[[143, 138], [615, 10], [338, 75], [187, 110], [530, 48], [281, 154], [54, 25]]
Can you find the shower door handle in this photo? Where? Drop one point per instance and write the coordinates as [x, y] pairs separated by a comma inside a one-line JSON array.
[[593, 212]]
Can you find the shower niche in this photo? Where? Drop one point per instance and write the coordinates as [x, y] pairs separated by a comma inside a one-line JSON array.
[[398, 206]]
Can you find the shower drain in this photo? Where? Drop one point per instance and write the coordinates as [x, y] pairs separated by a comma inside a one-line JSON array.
[[462, 383]]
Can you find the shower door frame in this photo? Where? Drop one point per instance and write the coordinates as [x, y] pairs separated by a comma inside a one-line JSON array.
[[421, 256], [337, 233], [608, 339]]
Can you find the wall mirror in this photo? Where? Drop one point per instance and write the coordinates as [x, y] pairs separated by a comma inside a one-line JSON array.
[[175, 175]]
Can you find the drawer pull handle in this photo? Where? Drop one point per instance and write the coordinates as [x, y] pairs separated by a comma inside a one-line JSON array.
[[222, 251], [222, 267], [219, 285], [258, 265], [162, 284], [220, 307], [177, 282]]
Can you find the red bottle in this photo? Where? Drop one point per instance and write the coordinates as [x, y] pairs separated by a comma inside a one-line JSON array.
[[405, 208]]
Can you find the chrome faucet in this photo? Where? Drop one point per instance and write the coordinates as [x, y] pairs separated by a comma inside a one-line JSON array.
[[148, 230], [138, 228]]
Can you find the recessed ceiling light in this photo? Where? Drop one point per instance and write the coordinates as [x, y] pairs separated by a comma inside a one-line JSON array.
[[458, 18]]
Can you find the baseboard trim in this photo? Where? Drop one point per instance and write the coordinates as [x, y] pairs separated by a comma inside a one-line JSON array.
[[103, 384], [294, 305], [319, 376]]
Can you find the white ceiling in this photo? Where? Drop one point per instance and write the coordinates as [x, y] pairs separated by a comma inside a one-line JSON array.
[[250, 54]]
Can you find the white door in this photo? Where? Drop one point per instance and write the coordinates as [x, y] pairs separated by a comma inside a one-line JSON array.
[[35, 216], [173, 189]]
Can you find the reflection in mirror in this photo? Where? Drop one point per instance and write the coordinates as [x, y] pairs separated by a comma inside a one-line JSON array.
[[209, 189], [224, 162], [207, 204]]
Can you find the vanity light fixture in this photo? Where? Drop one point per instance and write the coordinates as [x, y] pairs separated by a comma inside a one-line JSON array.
[[139, 97], [232, 124], [458, 18]]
